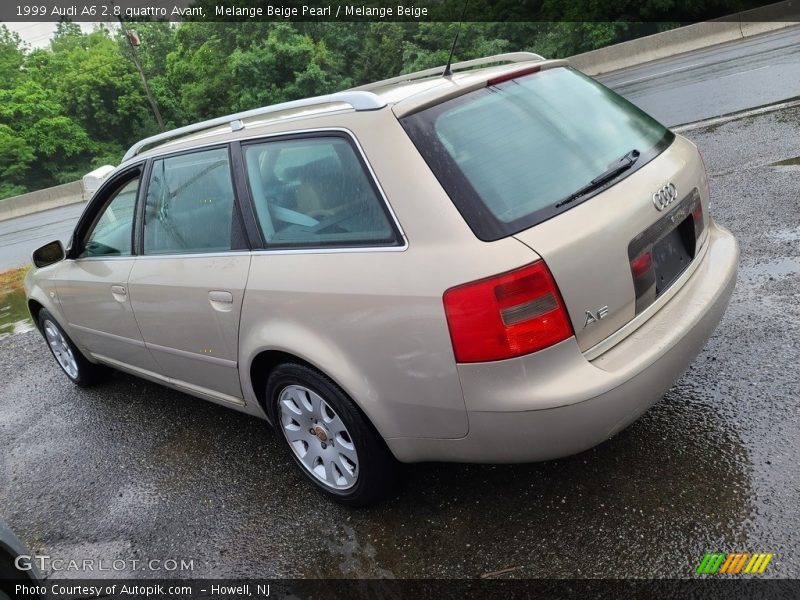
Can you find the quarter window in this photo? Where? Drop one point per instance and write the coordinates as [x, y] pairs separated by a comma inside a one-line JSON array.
[[111, 233], [314, 192], [190, 205]]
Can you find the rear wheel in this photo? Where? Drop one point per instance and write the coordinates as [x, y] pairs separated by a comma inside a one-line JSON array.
[[328, 437], [67, 355]]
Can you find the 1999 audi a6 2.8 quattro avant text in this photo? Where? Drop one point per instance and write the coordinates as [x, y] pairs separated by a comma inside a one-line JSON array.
[[508, 263]]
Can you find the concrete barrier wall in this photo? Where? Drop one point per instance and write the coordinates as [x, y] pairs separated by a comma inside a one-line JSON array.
[[611, 58], [26, 204], [685, 39]]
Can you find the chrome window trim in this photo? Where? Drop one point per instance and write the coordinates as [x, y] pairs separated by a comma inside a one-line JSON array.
[[340, 250], [222, 253], [97, 258], [305, 250], [371, 172], [640, 319], [218, 254], [140, 224]]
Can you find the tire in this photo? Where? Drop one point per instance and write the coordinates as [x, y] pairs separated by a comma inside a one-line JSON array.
[[74, 364], [328, 437]]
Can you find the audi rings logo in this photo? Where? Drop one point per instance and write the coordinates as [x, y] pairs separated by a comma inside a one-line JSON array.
[[665, 196]]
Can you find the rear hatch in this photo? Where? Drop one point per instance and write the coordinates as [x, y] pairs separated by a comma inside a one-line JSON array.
[[615, 254], [612, 201]]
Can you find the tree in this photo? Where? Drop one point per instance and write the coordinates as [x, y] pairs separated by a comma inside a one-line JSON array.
[[382, 56], [198, 70], [285, 66], [431, 43], [12, 57], [101, 89], [57, 146], [15, 158], [62, 148]]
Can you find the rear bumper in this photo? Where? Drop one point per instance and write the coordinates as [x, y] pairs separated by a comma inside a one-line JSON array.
[[555, 403]]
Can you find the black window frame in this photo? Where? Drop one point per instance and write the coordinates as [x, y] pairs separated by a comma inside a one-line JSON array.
[[237, 203], [254, 227], [97, 205]]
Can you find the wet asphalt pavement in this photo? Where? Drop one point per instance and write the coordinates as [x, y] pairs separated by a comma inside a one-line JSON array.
[[133, 470], [714, 81], [22, 235]]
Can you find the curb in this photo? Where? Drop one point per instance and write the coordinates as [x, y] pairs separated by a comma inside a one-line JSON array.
[[735, 116]]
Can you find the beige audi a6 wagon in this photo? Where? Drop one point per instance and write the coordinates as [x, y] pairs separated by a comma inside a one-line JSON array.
[[510, 263]]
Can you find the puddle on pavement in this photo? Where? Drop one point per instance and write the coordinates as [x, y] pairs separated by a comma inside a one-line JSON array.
[[14, 316], [787, 235], [777, 267], [789, 164]]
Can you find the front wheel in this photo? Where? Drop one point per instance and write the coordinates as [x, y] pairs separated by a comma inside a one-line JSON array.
[[328, 437], [67, 355]]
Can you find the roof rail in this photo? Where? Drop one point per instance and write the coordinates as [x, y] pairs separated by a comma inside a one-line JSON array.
[[358, 100], [509, 57]]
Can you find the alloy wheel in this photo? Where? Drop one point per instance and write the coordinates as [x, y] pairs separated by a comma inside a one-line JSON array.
[[318, 437], [61, 349]]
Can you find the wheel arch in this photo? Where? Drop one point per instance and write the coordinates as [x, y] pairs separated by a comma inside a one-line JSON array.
[[266, 360], [262, 366], [34, 308]]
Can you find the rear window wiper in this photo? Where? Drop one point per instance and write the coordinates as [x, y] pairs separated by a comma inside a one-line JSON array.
[[618, 166]]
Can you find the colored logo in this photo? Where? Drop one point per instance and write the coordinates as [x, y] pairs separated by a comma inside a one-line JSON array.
[[733, 563]]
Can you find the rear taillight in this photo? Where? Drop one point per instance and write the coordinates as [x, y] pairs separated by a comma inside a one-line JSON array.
[[508, 315], [644, 279], [641, 265]]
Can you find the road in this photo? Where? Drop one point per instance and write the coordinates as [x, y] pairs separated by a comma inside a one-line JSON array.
[[130, 469], [21, 236], [699, 85], [715, 81]]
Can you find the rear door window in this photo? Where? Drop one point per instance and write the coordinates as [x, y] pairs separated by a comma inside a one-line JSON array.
[[313, 192], [190, 205], [510, 154]]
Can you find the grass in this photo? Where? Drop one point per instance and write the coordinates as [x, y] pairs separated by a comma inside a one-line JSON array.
[[789, 162], [14, 316], [12, 280]]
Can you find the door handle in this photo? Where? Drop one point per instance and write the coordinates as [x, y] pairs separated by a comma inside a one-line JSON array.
[[119, 292], [221, 300], [220, 296]]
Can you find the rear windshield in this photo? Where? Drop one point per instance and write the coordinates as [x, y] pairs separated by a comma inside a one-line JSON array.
[[510, 153]]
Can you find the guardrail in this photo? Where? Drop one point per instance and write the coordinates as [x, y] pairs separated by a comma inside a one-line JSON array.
[[686, 39], [33, 202]]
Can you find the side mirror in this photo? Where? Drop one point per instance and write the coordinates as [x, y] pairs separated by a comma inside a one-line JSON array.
[[48, 254]]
